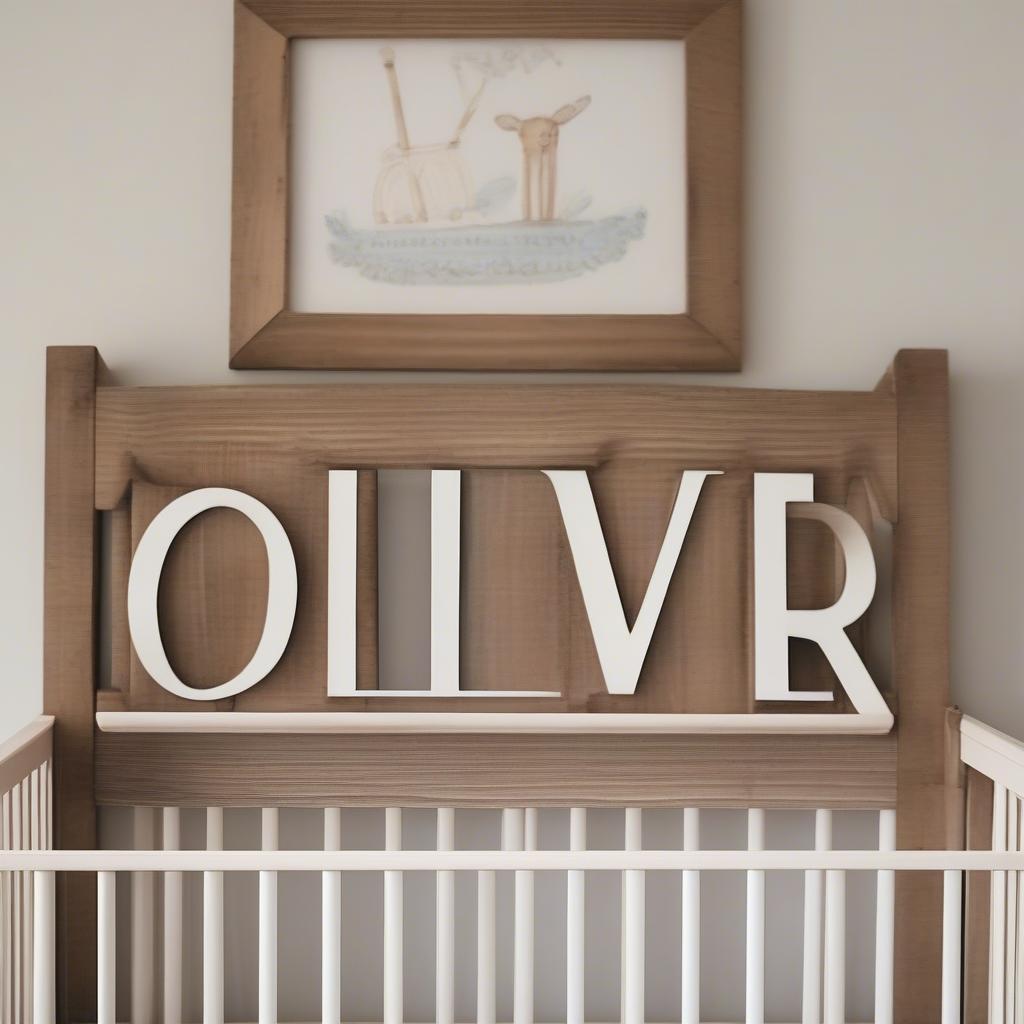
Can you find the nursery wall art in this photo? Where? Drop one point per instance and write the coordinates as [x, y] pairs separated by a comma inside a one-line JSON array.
[[492, 188]]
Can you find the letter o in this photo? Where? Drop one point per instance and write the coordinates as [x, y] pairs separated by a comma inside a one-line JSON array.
[[144, 584]]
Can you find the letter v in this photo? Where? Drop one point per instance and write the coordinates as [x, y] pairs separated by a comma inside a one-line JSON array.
[[620, 650]]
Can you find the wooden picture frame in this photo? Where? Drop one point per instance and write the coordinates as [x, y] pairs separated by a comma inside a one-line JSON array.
[[266, 333]]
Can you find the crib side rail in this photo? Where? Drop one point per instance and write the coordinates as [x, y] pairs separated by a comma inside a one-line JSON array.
[[995, 903], [25, 825], [520, 859]]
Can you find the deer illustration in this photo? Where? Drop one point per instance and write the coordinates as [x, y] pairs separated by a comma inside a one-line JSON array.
[[539, 138]]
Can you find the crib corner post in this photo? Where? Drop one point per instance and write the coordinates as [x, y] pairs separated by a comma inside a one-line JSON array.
[[920, 601], [69, 658]]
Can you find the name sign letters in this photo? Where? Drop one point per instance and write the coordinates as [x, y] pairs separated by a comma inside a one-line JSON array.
[[621, 647]]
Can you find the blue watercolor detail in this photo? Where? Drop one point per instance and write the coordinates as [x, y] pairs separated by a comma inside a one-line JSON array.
[[512, 253]]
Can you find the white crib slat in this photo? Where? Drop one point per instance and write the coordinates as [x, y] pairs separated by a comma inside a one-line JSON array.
[[690, 979], [393, 922], [444, 994], [106, 948], [835, 947], [951, 946], [171, 840], [633, 916], [143, 918], [486, 989], [755, 921], [1012, 843], [330, 925], [997, 937], [1018, 967], [31, 834], [268, 922], [44, 975], [18, 882], [522, 996], [6, 1013], [514, 837], [814, 905], [575, 922], [213, 924], [885, 923], [27, 938]]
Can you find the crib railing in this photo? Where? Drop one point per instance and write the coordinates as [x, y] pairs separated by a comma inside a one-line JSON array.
[[28, 869], [1001, 758], [25, 824], [394, 864]]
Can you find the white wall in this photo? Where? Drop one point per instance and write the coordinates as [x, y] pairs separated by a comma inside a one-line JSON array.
[[885, 143]]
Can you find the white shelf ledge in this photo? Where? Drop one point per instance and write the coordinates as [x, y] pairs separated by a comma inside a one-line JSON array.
[[527, 723]]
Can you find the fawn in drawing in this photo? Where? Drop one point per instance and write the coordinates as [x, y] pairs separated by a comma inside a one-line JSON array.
[[539, 138]]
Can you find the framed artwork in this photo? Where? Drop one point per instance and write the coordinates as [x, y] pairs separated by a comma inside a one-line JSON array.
[[478, 186]]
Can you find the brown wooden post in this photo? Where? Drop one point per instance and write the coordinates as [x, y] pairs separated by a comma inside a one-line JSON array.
[[920, 379], [69, 657]]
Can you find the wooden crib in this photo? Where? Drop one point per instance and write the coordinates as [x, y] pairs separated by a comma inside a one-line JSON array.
[[517, 722]]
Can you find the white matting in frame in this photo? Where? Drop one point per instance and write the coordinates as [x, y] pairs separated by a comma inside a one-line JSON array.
[[491, 176]]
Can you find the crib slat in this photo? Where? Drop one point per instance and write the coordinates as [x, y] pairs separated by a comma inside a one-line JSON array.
[[755, 921], [27, 897], [633, 914], [44, 975], [171, 840], [691, 923], [575, 923], [143, 918], [835, 947], [18, 881], [393, 922], [444, 994], [997, 938], [486, 990], [330, 925], [952, 884], [885, 923], [213, 924], [1018, 967], [106, 947], [1012, 843], [27, 800], [6, 1013], [268, 922], [814, 905], [514, 837]]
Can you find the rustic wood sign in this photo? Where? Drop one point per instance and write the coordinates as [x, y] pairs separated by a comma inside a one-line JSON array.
[[666, 564]]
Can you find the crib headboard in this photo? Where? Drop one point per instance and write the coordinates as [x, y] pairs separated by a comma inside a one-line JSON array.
[[118, 456]]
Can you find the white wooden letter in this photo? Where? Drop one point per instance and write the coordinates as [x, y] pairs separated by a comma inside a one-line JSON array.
[[620, 650], [342, 518], [775, 622], [144, 583], [445, 561]]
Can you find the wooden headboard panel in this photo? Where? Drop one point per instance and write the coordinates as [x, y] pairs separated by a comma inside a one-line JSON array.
[[128, 451]]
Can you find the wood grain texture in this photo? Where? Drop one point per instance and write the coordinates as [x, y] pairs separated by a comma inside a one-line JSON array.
[[265, 333], [524, 625], [259, 191], [69, 657], [714, 54], [586, 19], [921, 667], [490, 771], [977, 898]]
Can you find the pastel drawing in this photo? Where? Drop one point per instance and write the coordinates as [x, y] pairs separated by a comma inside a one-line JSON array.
[[434, 226]]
